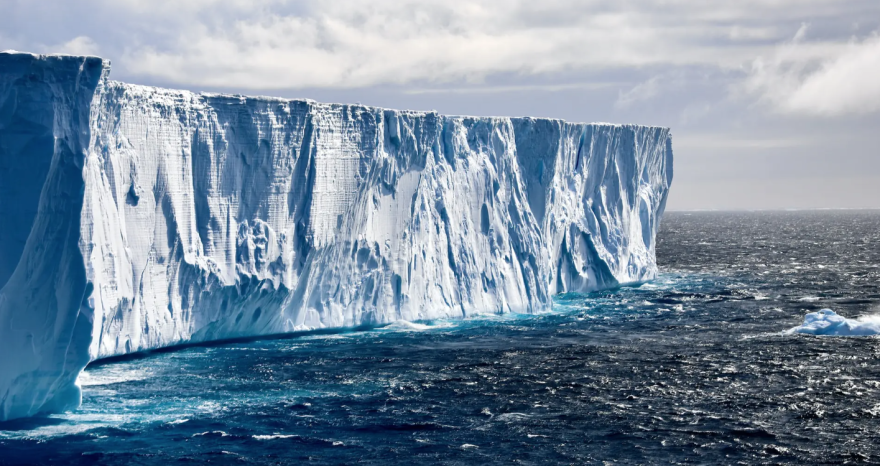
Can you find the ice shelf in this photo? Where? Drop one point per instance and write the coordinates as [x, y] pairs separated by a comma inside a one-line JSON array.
[[134, 218]]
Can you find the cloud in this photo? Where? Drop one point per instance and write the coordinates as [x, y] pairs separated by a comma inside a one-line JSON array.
[[428, 44], [512, 89], [355, 44], [348, 43], [708, 142], [799, 78], [641, 92], [849, 83], [80, 45]]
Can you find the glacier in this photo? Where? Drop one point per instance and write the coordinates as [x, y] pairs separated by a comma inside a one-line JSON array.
[[135, 218]]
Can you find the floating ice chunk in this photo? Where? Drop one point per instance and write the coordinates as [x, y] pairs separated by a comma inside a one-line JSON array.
[[828, 322]]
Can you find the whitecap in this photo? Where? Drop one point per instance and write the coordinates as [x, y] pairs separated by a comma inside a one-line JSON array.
[[50, 431], [214, 432], [109, 375], [273, 437], [406, 325], [208, 406], [511, 417]]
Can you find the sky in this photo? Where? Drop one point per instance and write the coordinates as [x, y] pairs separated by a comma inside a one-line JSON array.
[[773, 104]]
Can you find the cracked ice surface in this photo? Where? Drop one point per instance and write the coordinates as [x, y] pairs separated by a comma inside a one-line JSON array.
[[134, 218]]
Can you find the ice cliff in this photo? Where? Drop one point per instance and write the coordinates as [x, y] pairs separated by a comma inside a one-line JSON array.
[[134, 217]]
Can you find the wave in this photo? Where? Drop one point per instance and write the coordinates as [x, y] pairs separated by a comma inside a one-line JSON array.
[[407, 326], [111, 375]]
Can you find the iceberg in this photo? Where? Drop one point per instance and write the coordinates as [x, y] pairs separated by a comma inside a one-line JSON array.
[[829, 323], [135, 218]]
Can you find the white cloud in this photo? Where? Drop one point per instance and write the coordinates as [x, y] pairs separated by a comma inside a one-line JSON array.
[[641, 92], [351, 43], [706, 143], [80, 45], [464, 44], [512, 89], [800, 79], [848, 84]]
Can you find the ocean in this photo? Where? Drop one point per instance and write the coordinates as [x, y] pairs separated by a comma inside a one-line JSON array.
[[695, 367]]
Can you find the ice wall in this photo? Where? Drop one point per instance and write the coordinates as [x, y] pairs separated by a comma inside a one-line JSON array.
[[181, 217], [44, 136]]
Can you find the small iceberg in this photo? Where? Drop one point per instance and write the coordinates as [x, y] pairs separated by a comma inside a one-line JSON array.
[[828, 322]]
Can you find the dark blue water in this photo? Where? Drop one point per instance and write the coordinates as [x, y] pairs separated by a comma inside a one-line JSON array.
[[691, 369]]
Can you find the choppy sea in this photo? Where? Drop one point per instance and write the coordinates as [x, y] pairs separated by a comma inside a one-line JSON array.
[[693, 368]]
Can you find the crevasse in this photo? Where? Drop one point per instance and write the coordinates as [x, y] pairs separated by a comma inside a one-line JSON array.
[[134, 218]]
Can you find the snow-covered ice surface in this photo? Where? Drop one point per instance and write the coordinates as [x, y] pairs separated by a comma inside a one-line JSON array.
[[134, 218], [828, 322]]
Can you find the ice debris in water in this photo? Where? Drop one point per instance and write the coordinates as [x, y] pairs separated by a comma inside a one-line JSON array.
[[828, 322]]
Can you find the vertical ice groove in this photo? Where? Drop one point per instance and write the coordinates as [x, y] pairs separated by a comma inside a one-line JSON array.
[[182, 217]]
